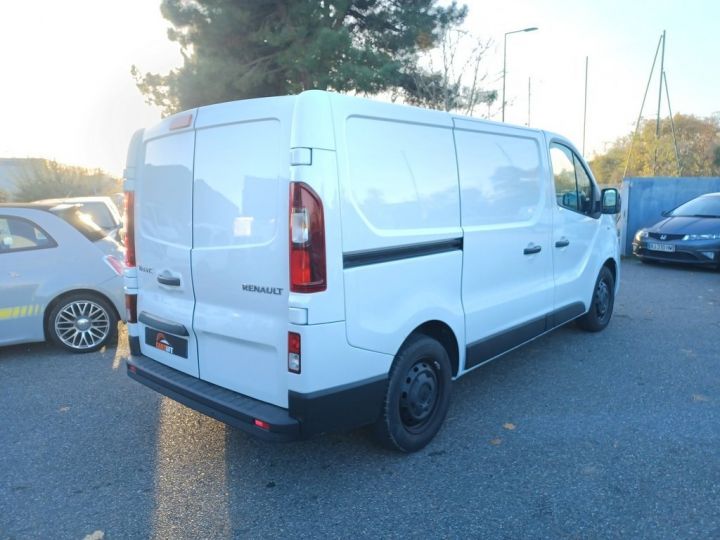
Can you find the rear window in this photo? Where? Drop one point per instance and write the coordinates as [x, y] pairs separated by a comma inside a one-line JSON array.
[[82, 221], [100, 214]]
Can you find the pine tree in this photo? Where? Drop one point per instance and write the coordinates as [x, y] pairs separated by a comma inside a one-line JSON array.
[[239, 49]]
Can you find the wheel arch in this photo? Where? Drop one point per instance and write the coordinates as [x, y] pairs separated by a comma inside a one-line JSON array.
[[441, 332], [60, 297], [611, 264]]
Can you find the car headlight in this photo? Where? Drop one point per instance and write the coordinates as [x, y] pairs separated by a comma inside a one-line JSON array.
[[708, 236], [642, 233]]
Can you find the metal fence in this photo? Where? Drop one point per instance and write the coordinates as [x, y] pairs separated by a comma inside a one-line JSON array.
[[644, 200]]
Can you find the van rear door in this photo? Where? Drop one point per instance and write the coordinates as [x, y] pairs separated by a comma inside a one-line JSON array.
[[163, 243], [240, 254]]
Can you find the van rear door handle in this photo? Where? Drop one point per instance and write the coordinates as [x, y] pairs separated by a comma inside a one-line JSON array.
[[532, 250], [169, 280], [563, 242]]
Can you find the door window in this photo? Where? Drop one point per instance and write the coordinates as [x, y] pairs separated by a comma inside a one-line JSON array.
[[564, 175], [573, 187], [584, 187], [19, 234]]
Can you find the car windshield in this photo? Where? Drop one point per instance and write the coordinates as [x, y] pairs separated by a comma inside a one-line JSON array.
[[82, 221], [708, 207]]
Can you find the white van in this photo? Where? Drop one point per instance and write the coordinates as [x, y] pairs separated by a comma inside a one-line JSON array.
[[319, 262]]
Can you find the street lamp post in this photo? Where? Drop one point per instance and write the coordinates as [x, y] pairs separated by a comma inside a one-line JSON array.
[[531, 29]]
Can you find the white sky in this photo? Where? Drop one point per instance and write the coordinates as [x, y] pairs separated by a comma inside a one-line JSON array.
[[67, 94]]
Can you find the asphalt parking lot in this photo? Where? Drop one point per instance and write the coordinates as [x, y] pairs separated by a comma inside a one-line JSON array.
[[610, 435]]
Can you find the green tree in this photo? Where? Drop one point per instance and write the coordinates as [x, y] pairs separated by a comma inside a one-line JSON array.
[[698, 141], [254, 48], [43, 179]]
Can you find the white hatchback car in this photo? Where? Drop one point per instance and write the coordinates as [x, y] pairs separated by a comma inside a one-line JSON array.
[[102, 210], [60, 277]]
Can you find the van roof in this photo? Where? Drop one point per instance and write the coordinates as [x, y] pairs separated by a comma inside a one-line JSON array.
[[318, 107]]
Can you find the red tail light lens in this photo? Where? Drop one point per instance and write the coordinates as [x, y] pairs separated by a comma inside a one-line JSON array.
[[294, 352], [131, 308], [129, 229], [115, 264], [307, 240]]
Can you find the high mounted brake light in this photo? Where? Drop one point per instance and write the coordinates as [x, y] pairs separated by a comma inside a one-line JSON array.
[[181, 122], [307, 240]]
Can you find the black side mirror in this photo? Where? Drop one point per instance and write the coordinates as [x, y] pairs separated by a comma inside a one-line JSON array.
[[610, 201]]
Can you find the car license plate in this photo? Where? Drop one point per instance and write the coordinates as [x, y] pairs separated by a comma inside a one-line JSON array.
[[654, 246], [166, 342]]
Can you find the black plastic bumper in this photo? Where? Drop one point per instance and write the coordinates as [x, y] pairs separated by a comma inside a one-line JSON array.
[[686, 255], [336, 409]]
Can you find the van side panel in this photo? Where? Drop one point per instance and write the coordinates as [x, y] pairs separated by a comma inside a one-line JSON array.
[[507, 221], [240, 253], [400, 222]]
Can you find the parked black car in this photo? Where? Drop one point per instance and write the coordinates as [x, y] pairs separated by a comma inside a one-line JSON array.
[[688, 234]]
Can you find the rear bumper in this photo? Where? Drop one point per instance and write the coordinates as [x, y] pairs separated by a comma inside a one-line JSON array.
[[331, 410]]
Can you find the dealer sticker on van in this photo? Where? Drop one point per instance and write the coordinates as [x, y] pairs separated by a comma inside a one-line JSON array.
[[166, 342]]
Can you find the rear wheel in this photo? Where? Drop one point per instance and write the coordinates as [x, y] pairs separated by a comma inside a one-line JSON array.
[[603, 301], [418, 395], [82, 322]]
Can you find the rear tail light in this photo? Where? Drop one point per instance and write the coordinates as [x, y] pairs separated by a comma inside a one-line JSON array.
[[261, 424], [131, 308], [294, 363], [129, 229], [115, 264], [307, 240]]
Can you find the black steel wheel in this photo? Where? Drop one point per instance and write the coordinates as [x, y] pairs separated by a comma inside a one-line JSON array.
[[418, 395], [603, 301]]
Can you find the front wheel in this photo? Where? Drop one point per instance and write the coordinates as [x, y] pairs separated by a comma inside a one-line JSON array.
[[82, 322], [603, 301], [418, 395]]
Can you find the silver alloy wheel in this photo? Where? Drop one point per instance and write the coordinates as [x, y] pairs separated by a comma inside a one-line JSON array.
[[82, 324]]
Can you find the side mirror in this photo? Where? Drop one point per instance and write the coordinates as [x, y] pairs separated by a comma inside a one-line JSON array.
[[610, 201]]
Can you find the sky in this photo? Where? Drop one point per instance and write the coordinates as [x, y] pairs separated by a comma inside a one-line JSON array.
[[67, 94]]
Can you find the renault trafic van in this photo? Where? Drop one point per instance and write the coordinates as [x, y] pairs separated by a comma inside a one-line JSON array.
[[314, 263]]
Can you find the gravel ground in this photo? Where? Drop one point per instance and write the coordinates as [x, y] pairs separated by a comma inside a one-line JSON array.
[[609, 435]]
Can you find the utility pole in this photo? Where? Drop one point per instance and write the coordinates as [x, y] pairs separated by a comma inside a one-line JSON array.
[[660, 90], [585, 107], [529, 96], [504, 72], [642, 107]]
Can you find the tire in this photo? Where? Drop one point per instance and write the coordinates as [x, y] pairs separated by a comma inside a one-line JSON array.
[[82, 322], [603, 301], [417, 397]]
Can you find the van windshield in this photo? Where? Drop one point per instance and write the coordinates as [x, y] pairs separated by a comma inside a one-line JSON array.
[[82, 221]]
